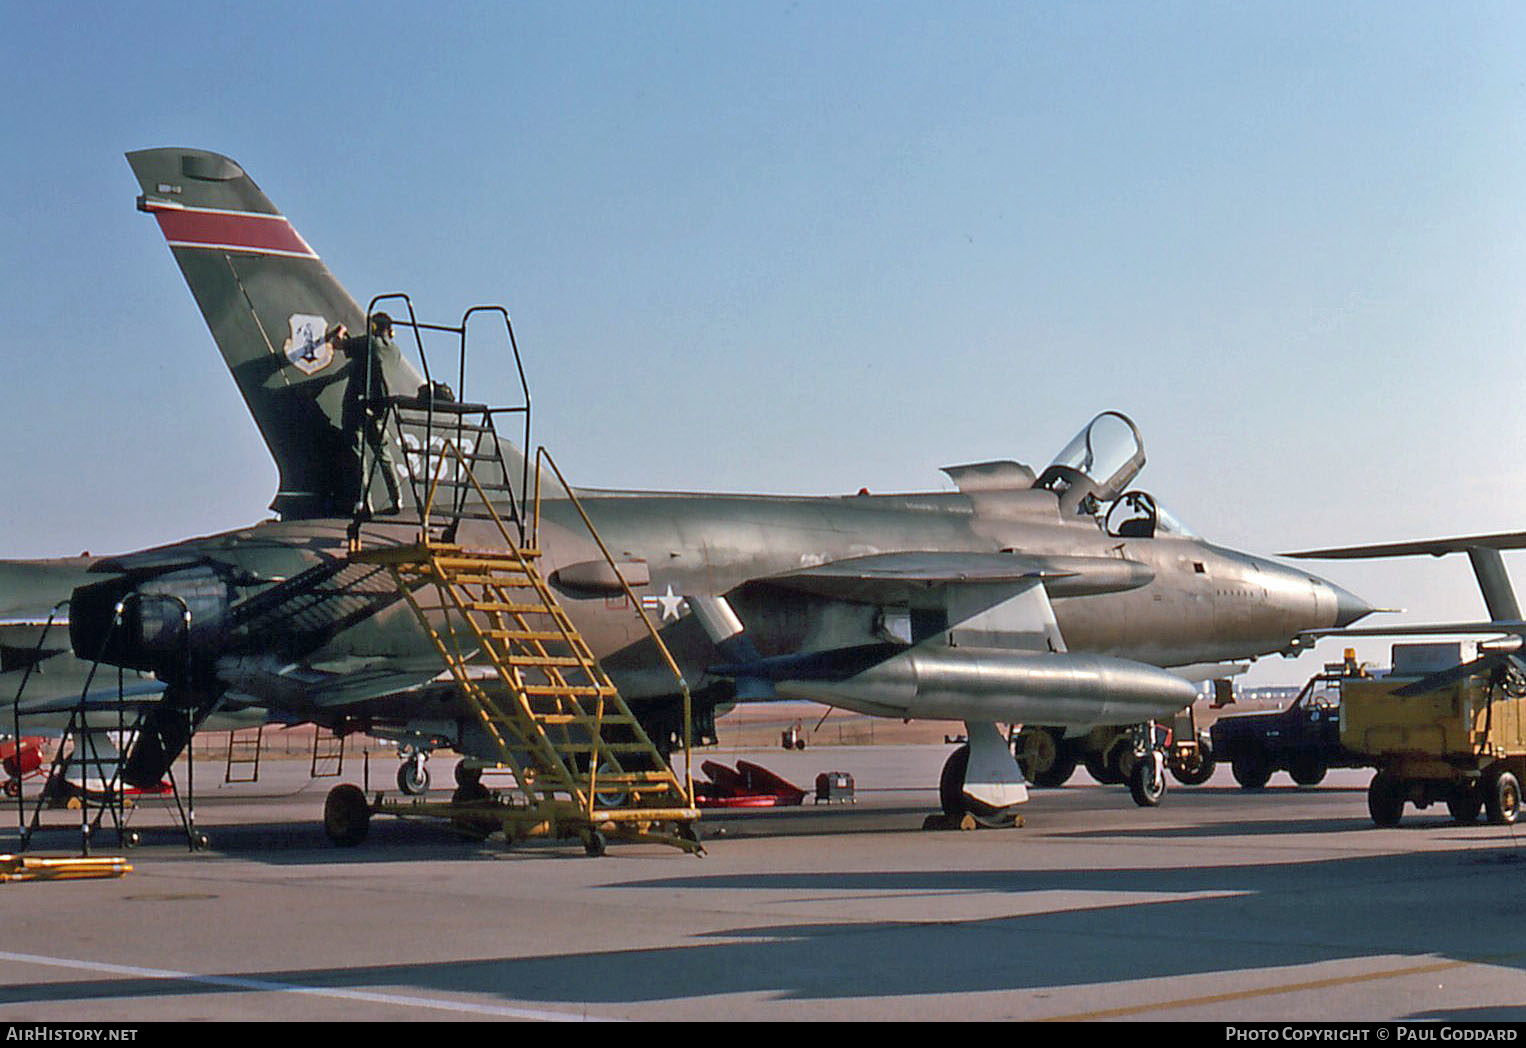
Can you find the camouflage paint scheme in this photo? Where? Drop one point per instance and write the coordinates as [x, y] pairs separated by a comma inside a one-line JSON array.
[[1024, 567]]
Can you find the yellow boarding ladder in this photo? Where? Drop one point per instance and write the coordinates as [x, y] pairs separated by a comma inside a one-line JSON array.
[[583, 764]]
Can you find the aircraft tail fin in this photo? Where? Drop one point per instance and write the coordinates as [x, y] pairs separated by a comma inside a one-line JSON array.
[[269, 301]]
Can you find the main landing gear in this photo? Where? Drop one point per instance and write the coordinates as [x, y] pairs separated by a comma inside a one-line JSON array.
[[1130, 756], [981, 779]]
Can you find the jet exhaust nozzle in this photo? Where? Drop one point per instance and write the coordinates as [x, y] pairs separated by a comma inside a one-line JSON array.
[[142, 624]]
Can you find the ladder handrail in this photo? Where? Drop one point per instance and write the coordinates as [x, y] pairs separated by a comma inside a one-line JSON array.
[[16, 711], [524, 565], [542, 455], [426, 400]]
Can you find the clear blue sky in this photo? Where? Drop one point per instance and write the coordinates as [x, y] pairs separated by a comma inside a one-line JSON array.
[[809, 247]]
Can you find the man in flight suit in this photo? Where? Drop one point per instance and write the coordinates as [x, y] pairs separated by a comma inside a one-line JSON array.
[[371, 356]]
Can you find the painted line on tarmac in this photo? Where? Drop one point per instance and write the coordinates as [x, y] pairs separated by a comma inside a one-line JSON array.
[[1265, 991], [234, 982]]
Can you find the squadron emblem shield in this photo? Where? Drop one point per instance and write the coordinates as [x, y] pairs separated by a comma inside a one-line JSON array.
[[306, 347]]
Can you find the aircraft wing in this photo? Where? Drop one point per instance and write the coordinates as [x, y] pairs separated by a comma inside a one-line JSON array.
[[890, 577], [1424, 629], [1433, 547], [102, 695], [299, 688], [1198, 672], [19, 640], [1488, 568]]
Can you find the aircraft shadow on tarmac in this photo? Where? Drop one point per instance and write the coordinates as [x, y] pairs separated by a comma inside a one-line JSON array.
[[1254, 828], [1259, 918], [395, 840]]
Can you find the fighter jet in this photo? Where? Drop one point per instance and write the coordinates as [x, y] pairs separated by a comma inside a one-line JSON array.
[[1060, 599]]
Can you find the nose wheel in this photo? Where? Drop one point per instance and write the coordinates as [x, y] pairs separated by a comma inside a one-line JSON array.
[[413, 773], [1147, 783]]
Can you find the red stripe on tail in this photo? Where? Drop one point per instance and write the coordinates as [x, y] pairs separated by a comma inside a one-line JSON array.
[[229, 230]]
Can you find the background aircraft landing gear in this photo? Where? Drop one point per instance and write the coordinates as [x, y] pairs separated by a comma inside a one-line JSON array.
[[1045, 757]]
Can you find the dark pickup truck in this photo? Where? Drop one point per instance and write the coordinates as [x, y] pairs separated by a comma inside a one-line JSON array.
[[1304, 740]]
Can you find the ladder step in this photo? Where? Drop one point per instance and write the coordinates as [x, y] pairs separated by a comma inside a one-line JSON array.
[[418, 422], [468, 482], [501, 581], [542, 635], [543, 660], [505, 562], [508, 607]]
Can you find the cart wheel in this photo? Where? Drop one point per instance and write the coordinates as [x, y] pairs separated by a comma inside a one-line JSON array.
[[13, 787], [593, 843], [131, 839], [1502, 798], [346, 815], [1385, 800]]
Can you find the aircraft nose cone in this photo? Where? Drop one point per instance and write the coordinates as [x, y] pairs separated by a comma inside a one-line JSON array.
[[1348, 606]]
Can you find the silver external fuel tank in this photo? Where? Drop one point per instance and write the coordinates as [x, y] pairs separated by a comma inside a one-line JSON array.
[[990, 684]]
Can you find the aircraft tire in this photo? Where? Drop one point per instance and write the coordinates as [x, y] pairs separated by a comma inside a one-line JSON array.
[[1308, 769], [610, 797], [346, 815], [951, 782], [1385, 800], [1148, 783], [956, 805], [413, 777], [1099, 768], [1198, 770], [1036, 751], [1059, 772], [1502, 798], [466, 775]]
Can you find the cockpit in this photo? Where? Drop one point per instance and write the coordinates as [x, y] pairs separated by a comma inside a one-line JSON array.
[[1091, 476]]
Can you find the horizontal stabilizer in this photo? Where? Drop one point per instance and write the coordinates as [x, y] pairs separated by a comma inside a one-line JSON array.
[[103, 697]]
